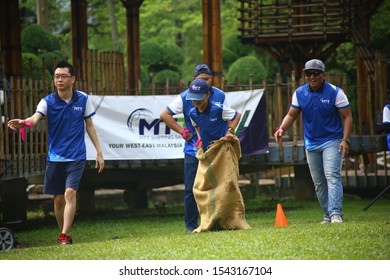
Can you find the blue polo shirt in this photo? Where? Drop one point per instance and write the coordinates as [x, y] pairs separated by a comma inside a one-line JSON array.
[[182, 106], [66, 125], [386, 120], [320, 113], [212, 122]]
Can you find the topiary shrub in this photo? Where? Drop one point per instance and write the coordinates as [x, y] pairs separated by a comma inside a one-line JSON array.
[[151, 56], [36, 67], [245, 66], [38, 41], [163, 75], [228, 57], [145, 77], [36, 38], [51, 59], [234, 44], [173, 55]]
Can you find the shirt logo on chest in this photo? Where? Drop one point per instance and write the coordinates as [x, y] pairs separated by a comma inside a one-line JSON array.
[[76, 108], [325, 101], [213, 120]]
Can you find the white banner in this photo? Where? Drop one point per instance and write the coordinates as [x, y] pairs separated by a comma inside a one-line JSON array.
[[129, 127]]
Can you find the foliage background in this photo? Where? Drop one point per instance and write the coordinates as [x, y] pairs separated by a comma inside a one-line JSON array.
[[176, 27]]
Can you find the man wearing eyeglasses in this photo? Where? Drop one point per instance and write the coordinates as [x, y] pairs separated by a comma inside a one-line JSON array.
[[69, 113], [327, 121], [182, 106]]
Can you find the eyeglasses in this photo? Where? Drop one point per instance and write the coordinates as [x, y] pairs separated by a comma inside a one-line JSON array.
[[61, 77], [314, 73]]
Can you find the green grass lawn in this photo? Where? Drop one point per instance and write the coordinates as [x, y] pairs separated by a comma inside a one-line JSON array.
[[149, 235]]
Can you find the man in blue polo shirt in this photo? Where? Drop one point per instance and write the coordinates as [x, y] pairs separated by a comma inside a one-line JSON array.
[[217, 193], [211, 121], [180, 105], [327, 121], [5, 92], [68, 113], [386, 121]]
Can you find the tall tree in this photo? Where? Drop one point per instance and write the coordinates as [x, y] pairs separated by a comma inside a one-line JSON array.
[[379, 25], [43, 13], [114, 26]]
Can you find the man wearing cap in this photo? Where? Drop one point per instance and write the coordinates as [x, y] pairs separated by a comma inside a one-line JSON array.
[[327, 121], [216, 189], [181, 105], [211, 121]]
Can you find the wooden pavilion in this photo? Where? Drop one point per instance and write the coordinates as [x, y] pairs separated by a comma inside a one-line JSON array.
[[294, 31]]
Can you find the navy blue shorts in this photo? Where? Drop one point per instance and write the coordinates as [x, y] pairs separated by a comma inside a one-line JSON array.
[[62, 175]]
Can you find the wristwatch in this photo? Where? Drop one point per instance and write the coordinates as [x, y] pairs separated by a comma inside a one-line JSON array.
[[348, 140], [231, 130]]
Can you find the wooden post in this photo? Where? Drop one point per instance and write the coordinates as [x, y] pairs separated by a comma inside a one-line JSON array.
[[212, 40], [14, 199], [86, 196], [86, 201], [10, 40], [133, 42], [136, 198], [79, 36]]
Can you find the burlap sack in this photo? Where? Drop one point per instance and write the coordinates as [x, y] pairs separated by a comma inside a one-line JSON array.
[[216, 190]]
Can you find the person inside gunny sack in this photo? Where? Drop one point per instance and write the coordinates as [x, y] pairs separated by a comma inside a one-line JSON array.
[[211, 121], [327, 121], [216, 189], [180, 105], [68, 113]]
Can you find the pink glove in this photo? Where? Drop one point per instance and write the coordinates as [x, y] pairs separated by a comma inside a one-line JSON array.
[[184, 133], [197, 142], [22, 130]]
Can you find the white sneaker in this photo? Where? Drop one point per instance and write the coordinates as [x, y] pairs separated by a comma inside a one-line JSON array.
[[325, 221], [336, 219]]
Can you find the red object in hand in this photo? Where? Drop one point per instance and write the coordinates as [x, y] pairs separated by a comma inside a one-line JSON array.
[[22, 130], [278, 129], [184, 133]]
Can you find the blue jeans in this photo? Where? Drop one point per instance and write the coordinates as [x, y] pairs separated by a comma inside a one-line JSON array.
[[325, 168], [191, 213]]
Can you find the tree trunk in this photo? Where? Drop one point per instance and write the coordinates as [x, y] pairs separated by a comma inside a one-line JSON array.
[[114, 27], [43, 13]]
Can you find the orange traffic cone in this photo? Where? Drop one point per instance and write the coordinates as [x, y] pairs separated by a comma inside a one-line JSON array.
[[280, 220]]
